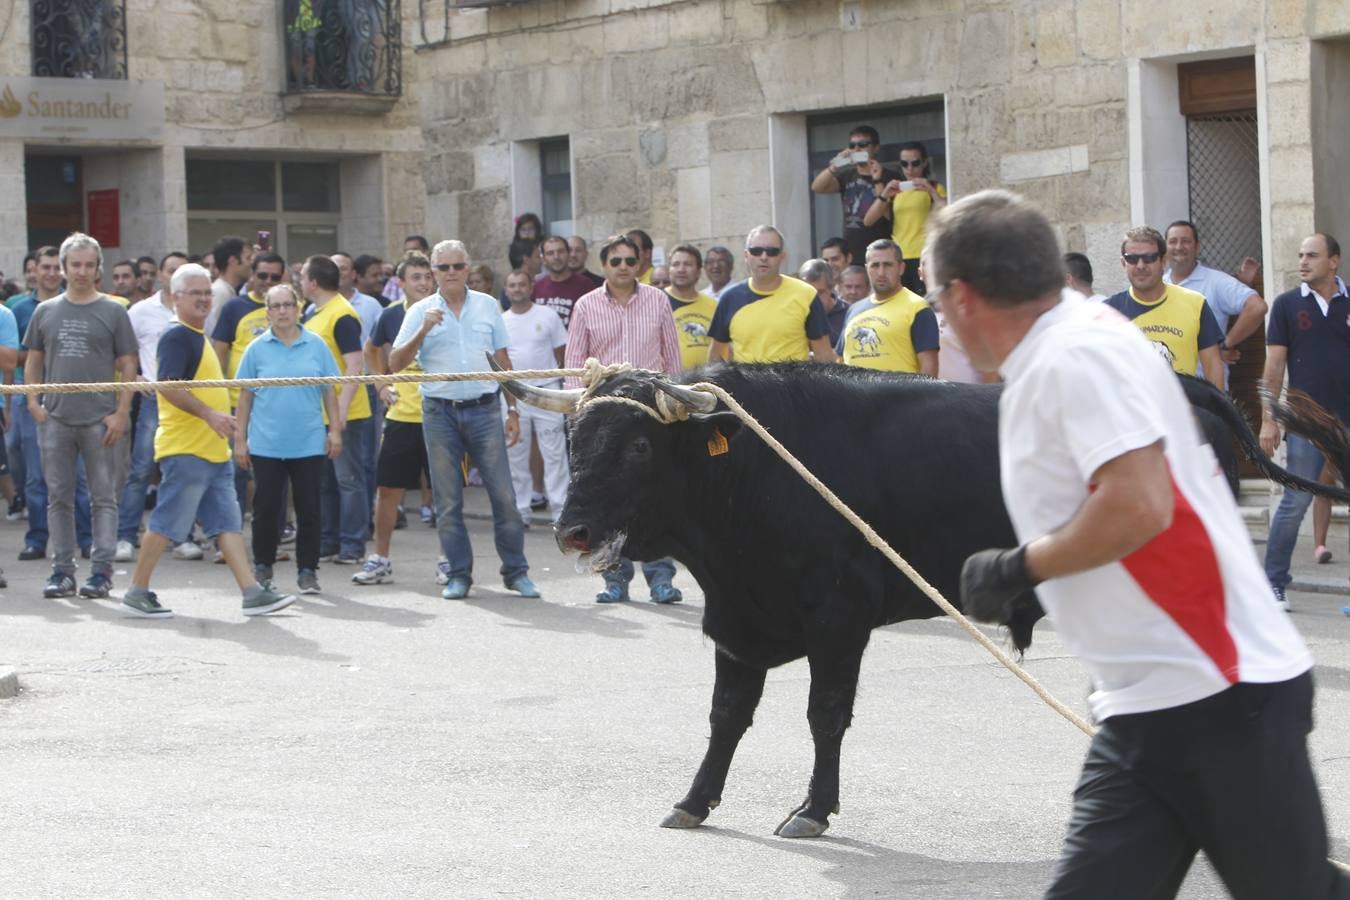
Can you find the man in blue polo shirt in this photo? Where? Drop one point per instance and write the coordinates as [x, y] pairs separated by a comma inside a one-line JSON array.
[[453, 330], [1310, 332]]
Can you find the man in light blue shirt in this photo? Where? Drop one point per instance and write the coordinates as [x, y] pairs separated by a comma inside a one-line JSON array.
[[454, 330], [1227, 297]]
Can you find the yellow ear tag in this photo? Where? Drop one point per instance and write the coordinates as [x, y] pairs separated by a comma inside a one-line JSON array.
[[717, 444]]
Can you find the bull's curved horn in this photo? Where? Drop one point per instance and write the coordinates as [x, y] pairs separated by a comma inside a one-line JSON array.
[[542, 398], [698, 401]]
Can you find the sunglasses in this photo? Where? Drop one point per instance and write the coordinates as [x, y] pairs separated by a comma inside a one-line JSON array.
[[617, 261], [858, 145], [267, 276], [446, 267], [764, 251], [1134, 259], [911, 163]]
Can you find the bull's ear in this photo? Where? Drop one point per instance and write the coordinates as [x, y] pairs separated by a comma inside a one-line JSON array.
[[724, 423]]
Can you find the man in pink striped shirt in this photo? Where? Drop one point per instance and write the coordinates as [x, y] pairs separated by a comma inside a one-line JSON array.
[[624, 321]]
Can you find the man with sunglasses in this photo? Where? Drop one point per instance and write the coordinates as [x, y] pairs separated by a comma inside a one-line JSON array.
[[769, 317], [623, 321], [845, 177], [454, 330], [1176, 320]]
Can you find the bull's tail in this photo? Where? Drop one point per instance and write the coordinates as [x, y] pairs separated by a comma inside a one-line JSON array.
[[1206, 396], [1303, 415]]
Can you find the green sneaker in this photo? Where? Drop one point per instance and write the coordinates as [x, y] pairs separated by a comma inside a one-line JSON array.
[[145, 604], [267, 601]]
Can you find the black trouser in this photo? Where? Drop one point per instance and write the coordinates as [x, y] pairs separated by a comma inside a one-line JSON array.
[[1228, 775], [269, 507], [910, 278]]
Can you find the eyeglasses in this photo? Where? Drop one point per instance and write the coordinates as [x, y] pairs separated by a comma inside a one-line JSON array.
[[764, 251], [446, 267], [858, 145], [196, 295], [1134, 259], [287, 304], [911, 163], [267, 276], [617, 261]]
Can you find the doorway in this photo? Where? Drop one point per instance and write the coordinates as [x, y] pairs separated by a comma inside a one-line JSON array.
[[54, 188]]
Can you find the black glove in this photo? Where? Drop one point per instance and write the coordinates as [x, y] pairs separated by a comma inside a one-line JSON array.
[[991, 580]]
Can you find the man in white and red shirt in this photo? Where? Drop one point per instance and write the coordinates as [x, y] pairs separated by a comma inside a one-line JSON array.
[[1137, 552], [624, 321]]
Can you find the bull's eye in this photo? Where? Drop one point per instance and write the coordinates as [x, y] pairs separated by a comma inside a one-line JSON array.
[[642, 447]]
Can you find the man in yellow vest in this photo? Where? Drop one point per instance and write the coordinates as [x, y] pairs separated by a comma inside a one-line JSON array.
[[345, 503], [192, 447]]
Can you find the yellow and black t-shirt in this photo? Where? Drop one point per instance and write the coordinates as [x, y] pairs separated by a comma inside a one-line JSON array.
[[241, 320], [890, 334], [770, 327], [409, 405], [183, 355], [1179, 324], [340, 327], [692, 318]]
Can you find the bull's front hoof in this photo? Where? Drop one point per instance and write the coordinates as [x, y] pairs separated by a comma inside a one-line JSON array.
[[798, 826], [678, 818]]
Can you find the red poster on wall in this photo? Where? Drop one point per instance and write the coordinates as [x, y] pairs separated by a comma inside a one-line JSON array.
[[105, 218]]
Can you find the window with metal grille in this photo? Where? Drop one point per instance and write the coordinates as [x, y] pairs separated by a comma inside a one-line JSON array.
[[1225, 187], [79, 38]]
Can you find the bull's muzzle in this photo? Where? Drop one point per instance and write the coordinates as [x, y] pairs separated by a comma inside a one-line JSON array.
[[576, 537]]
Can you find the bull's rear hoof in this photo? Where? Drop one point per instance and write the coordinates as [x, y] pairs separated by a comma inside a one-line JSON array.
[[678, 818], [801, 827]]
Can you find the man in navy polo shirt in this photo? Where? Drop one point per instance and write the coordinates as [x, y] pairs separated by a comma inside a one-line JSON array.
[[1310, 332]]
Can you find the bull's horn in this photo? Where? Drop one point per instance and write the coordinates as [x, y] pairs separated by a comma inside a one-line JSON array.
[[698, 401], [543, 398]]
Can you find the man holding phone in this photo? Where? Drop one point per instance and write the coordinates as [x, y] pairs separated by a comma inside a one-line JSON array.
[[845, 176]]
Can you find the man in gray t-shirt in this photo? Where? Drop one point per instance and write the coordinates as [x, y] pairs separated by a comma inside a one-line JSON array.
[[81, 336]]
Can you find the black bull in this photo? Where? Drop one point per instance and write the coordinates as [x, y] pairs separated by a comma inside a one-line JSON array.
[[784, 576]]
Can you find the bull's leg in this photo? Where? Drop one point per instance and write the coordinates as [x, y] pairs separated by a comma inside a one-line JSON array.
[[736, 693], [834, 683]]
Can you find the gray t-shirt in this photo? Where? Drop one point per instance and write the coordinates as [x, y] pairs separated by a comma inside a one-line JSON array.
[[80, 343]]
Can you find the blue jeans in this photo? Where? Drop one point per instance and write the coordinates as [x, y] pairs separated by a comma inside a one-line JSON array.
[[476, 430], [17, 466], [662, 571], [194, 490], [132, 507], [35, 486], [344, 500], [1304, 460]]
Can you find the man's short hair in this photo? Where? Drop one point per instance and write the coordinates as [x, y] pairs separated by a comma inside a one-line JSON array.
[[575, 237], [1144, 234], [764, 229], [1195, 233], [686, 248], [270, 259], [129, 263], [867, 131], [522, 273], [78, 240], [322, 271], [164, 260], [618, 240], [852, 270], [145, 259], [225, 249], [718, 248], [184, 272], [836, 242], [421, 242], [45, 251], [643, 238], [520, 250], [553, 238], [999, 244], [413, 259], [814, 270], [448, 246], [1333, 246], [886, 244], [1079, 266], [364, 262], [31, 256]]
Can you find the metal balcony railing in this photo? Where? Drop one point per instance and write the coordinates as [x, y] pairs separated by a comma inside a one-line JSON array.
[[79, 38], [344, 45]]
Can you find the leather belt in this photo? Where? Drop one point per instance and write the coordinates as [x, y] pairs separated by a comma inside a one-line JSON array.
[[466, 404]]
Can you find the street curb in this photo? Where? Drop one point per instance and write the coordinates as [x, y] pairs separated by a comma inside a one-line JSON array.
[[9, 683], [1321, 587]]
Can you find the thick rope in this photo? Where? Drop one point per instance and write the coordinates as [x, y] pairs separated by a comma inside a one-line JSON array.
[[148, 387]]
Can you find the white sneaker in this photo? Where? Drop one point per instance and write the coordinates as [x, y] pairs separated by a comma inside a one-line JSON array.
[[187, 550], [376, 570], [125, 552], [442, 571]]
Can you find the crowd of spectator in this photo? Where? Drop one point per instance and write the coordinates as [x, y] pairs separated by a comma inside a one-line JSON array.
[[330, 470]]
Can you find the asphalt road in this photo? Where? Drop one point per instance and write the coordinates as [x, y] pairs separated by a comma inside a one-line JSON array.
[[384, 742]]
